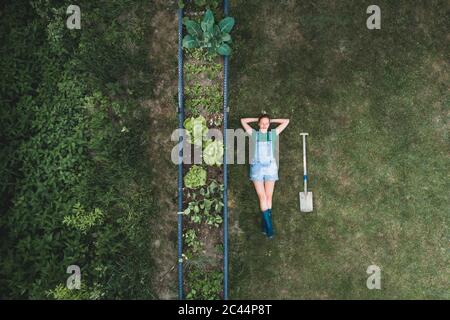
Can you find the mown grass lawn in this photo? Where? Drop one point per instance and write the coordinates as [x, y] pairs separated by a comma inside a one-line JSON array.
[[376, 106]]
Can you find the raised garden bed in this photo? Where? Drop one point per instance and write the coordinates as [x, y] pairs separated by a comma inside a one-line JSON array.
[[206, 40]]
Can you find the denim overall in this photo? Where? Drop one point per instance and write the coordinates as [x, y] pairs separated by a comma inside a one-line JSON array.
[[264, 168]]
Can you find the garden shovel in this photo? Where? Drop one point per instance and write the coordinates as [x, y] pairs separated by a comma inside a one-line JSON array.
[[306, 198]]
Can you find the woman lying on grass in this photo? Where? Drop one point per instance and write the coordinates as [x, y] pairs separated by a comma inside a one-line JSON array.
[[263, 167]]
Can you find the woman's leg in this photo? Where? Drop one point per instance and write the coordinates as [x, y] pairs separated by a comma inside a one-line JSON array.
[[268, 189], [259, 186]]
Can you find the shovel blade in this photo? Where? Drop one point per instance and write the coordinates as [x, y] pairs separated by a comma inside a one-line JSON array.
[[306, 201]]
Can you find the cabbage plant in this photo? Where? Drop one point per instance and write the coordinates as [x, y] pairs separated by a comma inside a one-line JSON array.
[[209, 35]]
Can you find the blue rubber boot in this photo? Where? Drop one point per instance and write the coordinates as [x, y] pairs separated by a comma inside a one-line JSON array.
[[267, 217], [271, 221], [263, 226]]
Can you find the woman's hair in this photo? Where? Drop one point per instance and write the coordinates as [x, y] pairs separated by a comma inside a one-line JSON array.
[[263, 115]]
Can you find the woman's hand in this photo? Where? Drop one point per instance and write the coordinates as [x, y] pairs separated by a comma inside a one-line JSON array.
[[283, 124], [245, 122]]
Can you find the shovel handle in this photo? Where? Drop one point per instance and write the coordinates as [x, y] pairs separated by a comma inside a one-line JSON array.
[[305, 173]]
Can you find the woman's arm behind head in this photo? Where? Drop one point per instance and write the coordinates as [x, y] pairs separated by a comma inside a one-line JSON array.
[[245, 123], [283, 124]]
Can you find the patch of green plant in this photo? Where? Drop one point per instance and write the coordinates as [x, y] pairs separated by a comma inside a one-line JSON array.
[[213, 153], [201, 98], [204, 211], [61, 292], [73, 133], [82, 220], [193, 210], [204, 285], [201, 62], [212, 70], [192, 241], [215, 38], [196, 130], [206, 204], [214, 219], [196, 177], [199, 55]]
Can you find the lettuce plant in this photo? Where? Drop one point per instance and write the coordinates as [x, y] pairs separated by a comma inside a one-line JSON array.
[[213, 153], [196, 177], [209, 35], [196, 129]]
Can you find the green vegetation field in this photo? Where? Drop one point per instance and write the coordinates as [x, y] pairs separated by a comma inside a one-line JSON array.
[[376, 106], [75, 176]]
